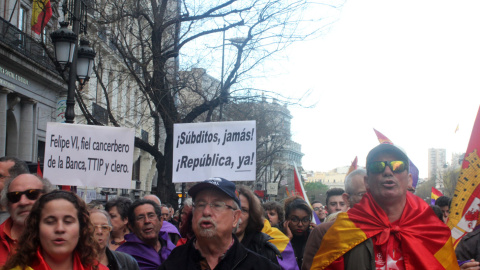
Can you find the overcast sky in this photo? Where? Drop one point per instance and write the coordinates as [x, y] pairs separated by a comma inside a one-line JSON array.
[[410, 69]]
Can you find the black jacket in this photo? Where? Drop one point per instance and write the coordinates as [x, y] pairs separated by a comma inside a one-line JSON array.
[[237, 257], [469, 247], [258, 242], [120, 261]]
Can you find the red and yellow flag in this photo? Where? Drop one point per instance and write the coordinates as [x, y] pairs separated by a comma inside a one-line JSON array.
[[425, 240], [41, 14], [465, 206], [435, 194]]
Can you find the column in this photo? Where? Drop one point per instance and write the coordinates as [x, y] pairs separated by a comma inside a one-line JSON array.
[[3, 120], [27, 133]]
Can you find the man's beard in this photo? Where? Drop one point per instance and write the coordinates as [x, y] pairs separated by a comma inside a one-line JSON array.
[[211, 232]]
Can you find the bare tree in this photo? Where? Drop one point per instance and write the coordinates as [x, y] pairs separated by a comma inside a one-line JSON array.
[[154, 37]]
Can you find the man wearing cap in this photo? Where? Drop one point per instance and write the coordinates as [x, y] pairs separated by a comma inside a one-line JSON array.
[[216, 211], [390, 228]]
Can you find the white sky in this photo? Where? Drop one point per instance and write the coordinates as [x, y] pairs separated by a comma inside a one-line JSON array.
[[410, 69]]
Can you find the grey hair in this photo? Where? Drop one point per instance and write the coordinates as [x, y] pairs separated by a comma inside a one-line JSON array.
[[47, 187], [188, 202], [348, 179], [155, 196], [95, 210], [19, 166]]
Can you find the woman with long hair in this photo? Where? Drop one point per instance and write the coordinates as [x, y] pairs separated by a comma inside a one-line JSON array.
[[58, 235], [114, 260], [249, 231]]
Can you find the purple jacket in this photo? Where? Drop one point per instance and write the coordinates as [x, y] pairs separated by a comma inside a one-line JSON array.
[[146, 256]]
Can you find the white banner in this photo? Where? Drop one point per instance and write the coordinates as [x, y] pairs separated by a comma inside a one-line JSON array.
[[94, 156], [214, 149]]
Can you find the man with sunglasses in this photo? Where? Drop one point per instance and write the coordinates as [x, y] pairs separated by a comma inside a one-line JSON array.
[[18, 196], [9, 167], [216, 213], [390, 228]]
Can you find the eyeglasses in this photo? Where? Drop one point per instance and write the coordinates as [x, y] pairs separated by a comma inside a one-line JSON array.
[[295, 220], [397, 166], [318, 208], [15, 196], [215, 206], [150, 216], [104, 228]]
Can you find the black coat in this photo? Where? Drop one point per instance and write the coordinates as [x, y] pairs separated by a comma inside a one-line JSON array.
[[237, 257], [258, 242], [120, 261], [469, 247]]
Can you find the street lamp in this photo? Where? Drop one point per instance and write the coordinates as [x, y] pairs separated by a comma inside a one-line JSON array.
[[85, 58], [65, 42], [237, 42]]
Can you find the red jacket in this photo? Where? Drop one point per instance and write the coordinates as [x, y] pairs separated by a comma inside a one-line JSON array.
[[7, 244]]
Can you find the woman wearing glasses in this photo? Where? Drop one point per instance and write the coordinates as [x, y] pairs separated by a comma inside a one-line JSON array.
[[58, 235], [114, 260], [297, 225]]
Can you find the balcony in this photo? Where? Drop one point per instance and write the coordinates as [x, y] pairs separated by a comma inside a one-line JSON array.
[[17, 40]]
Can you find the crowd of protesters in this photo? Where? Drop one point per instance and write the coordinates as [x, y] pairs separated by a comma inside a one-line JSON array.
[[374, 223]]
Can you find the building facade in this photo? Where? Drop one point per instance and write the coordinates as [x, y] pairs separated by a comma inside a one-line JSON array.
[[437, 161], [31, 91]]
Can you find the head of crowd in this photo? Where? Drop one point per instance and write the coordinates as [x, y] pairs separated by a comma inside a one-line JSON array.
[[219, 225]]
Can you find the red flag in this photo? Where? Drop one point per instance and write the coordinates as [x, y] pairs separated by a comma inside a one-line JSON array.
[[354, 166], [299, 190], [39, 170], [474, 140], [465, 206], [41, 14], [286, 190], [382, 138]]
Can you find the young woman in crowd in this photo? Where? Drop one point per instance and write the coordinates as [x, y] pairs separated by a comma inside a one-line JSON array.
[[59, 235], [114, 260], [297, 224], [118, 211]]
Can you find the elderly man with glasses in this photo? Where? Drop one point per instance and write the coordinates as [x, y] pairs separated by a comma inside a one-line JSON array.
[[390, 228], [216, 211], [145, 243], [354, 191], [18, 196]]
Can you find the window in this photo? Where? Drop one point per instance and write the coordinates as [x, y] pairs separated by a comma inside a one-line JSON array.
[[22, 19]]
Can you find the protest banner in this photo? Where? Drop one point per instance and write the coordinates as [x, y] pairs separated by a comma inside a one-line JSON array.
[[95, 156], [214, 149]]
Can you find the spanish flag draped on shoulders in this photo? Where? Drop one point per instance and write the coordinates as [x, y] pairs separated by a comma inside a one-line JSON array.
[[423, 241]]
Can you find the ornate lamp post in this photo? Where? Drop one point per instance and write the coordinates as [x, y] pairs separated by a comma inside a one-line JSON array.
[[65, 42]]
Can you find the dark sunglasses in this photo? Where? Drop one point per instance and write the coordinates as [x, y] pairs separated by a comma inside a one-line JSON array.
[[15, 196], [397, 166]]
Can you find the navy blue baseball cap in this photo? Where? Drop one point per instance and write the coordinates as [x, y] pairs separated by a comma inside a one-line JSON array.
[[217, 183]]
